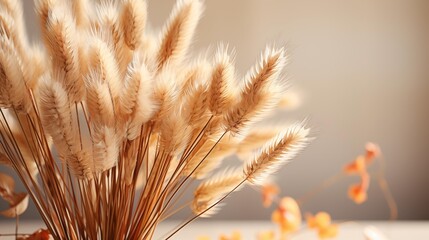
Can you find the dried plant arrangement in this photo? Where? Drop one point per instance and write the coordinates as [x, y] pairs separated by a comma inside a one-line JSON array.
[[107, 124]]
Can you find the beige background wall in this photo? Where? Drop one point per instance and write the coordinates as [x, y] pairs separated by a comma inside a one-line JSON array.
[[361, 67]]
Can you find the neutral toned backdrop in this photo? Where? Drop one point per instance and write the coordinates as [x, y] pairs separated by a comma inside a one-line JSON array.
[[361, 69]]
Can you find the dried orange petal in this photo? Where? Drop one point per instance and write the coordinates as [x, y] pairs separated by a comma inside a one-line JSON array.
[[269, 191], [357, 166], [357, 193], [372, 151], [323, 219], [330, 231]]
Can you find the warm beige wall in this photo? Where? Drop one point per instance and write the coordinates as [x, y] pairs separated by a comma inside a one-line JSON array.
[[361, 66]]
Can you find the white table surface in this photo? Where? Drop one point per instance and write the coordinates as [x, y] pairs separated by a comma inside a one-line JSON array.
[[403, 230]]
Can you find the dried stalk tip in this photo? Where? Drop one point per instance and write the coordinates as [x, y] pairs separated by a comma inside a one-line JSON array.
[[134, 14], [62, 43], [259, 94], [57, 119], [222, 90], [178, 32], [279, 151], [213, 189]]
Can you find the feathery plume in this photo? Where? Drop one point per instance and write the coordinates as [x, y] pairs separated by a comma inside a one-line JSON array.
[[99, 102], [43, 7], [259, 93], [178, 32], [195, 106], [105, 148], [62, 43], [134, 14], [102, 60], [136, 95], [276, 153], [57, 120], [211, 190], [174, 134], [221, 90], [197, 74], [12, 18], [108, 20], [267, 71], [80, 13], [164, 94], [13, 92]]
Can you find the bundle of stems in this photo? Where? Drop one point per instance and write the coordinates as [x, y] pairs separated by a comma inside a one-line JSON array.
[[107, 123]]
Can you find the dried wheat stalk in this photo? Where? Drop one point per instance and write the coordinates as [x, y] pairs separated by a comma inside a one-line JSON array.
[[107, 124]]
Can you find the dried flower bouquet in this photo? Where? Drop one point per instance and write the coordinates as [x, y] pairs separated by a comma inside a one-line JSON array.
[[106, 124]]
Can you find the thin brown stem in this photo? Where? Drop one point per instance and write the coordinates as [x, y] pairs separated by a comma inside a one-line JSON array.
[[319, 188], [207, 209], [387, 193]]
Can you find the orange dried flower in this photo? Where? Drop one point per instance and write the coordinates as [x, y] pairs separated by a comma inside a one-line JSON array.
[[357, 166], [41, 234], [372, 151], [358, 192], [287, 215], [330, 231], [269, 192], [321, 220], [322, 223]]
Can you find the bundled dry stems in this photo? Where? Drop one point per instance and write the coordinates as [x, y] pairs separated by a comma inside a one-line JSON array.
[[106, 124]]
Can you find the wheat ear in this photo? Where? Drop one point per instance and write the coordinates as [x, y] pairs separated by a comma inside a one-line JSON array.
[[105, 148], [102, 60], [195, 105], [221, 89], [194, 75], [15, 20], [80, 13], [174, 133], [62, 43], [106, 20], [57, 120], [259, 93], [99, 101], [178, 32], [285, 146], [14, 91], [164, 94], [136, 103], [213, 189], [43, 7], [133, 22]]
